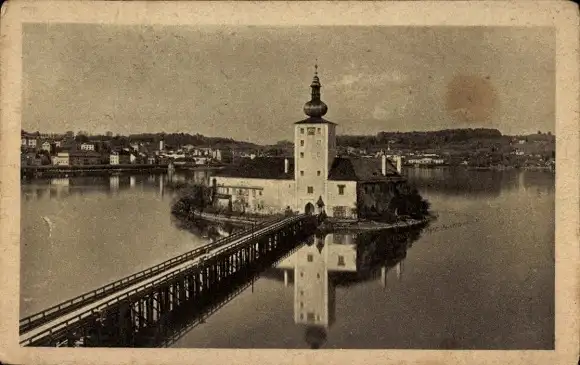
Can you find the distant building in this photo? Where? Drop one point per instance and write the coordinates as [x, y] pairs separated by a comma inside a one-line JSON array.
[[61, 159], [426, 161], [121, 158], [46, 146], [85, 158], [29, 140], [87, 147], [316, 179]]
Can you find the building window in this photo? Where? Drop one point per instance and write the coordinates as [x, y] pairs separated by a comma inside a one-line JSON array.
[[260, 193], [302, 142], [301, 130], [340, 260], [310, 190], [318, 172], [301, 292], [301, 315], [301, 305], [318, 142], [301, 274], [318, 130], [301, 154], [310, 317], [318, 276], [318, 154], [340, 189], [301, 173], [311, 131], [310, 258]]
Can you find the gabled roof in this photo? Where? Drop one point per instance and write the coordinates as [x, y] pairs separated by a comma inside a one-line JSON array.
[[361, 169], [260, 168], [313, 120]]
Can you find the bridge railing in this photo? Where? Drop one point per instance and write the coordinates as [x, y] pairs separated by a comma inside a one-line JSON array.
[[135, 292], [37, 319]]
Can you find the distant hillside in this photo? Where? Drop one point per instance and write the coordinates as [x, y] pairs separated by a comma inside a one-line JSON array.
[[441, 139], [181, 139]]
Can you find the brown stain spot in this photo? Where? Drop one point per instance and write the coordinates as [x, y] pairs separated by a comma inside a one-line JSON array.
[[471, 99]]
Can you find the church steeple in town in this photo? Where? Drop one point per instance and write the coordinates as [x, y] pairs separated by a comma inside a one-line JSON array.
[[315, 108]]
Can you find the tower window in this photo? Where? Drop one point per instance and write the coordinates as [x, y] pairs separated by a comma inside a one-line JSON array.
[[301, 130], [318, 172], [302, 142], [310, 258], [310, 190], [341, 261], [301, 154], [301, 173], [340, 189], [318, 130], [311, 131], [318, 154], [318, 142]]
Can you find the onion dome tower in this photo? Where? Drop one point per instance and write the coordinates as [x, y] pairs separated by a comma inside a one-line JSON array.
[[315, 108]]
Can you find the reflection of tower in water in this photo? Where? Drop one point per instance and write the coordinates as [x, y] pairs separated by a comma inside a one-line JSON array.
[[318, 268]]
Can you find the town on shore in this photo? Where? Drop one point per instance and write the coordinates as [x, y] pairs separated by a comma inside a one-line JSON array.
[[471, 148]]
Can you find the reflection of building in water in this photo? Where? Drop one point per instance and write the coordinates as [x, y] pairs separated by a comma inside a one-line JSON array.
[[132, 180], [161, 185], [337, 259], [59, 187], [60, 181], [114, 183], [314, 293]]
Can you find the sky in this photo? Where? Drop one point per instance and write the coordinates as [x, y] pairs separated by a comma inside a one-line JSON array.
[[250, 82]]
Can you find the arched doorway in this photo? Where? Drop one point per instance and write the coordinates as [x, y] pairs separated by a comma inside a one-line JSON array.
[[309, 209]]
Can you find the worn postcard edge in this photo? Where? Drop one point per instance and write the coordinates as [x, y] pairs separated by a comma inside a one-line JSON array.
[[563, 16]]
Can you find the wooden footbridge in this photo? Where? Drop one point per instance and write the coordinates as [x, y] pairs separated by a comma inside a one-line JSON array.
[[153, 306]]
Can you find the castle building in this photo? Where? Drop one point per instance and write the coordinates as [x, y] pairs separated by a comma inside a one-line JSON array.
[[315, 179]]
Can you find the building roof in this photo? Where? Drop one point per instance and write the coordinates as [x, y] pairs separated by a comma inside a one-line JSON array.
[[360, 169], [260, 168], [342, 169], [314, 120], [85, 154]]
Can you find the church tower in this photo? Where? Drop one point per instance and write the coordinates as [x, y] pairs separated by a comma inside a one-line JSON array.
[[314, 151]]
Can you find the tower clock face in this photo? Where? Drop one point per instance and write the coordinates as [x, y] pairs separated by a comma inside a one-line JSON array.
[[311, 131]]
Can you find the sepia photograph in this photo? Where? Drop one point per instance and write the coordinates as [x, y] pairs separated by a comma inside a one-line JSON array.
[[231, 185]]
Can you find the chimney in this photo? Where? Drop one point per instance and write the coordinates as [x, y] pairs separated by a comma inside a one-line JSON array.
[[399, 165], [161, 145], [286, 165], [384, 164]]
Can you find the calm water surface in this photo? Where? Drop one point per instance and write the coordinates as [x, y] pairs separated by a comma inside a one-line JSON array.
[[481, 276]]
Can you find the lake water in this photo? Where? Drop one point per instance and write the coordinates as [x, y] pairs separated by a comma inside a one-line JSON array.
[[480, 277]]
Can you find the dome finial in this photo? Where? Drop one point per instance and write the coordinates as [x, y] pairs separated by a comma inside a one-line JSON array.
[[315, 107]]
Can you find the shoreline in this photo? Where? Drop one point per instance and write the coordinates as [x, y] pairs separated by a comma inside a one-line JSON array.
[[64, 171], [331, 225]]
